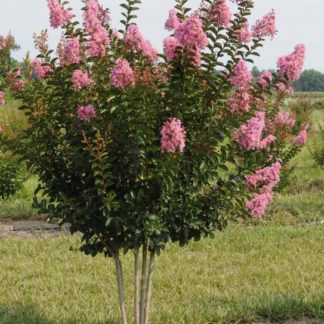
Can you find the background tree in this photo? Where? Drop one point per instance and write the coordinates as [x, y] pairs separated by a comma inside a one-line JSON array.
[[310, 81]]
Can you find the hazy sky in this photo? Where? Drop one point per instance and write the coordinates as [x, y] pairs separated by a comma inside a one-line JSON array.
[[299, 21]]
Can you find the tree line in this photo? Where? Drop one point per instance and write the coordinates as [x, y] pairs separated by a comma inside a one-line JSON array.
[[310, 80]]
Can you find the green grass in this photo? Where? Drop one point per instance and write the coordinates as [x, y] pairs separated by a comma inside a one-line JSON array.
[[19, 206], [243, 275]]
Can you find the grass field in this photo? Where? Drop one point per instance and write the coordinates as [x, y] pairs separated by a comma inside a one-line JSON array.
[[244, 275], [255, 272]]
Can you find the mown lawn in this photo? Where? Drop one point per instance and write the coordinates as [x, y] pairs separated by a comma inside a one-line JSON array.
[[245, 274]]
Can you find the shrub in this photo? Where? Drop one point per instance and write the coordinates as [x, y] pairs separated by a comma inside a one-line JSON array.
[[11, 175], [316, 146], [138, 149]]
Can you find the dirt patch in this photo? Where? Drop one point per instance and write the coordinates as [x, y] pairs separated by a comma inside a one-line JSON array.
[[31, 229]]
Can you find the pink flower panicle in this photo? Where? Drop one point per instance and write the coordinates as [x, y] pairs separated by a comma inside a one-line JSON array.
[[170, 45], [17, 83], [284, 119], [220, 13], [190, 33], [240, 102], [86, 113], [258, 205], [93, 20], [40, 69], [242, 76], [72, 53], [122, 75], [40, 41], [135, 41], [173, 21], [173, 136], [265, 26], [149, 51], [283, 89], [265, 143], [301, 138], [59, 17], [244, 35], [291, 65], [133, 38], [2, 98], [249, 135], [81, 79], [265, 179], [265, 78]]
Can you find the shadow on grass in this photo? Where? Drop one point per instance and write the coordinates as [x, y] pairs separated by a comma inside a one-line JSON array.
[[22, 314]]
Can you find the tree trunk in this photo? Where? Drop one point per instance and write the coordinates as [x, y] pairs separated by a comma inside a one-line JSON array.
[[121, 289], [143, 285], [149, 287], [136, 287]]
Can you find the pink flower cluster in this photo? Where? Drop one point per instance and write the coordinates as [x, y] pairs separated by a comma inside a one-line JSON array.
[[135, 41], [249, 135], [59, 17], [188, 35], [301, 138], [265, 79], [99, 38], [241, 100], [86, 113], [265, 26], [242, 76], [292, 64], [7, 42], [284, 89], [173, 136], [265, 180], [122, 75], [81, 79], [17, 83], [243, 34], [284, 119], [173, 21], [170, 45], [41, 69], [220, 13], [259, 204], [72, 53], [2, 98]]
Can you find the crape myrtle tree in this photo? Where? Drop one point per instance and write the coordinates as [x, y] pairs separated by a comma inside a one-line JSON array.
[[136, 149]]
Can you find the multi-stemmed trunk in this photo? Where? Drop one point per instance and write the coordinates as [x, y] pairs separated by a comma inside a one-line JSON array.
[[142, 286]]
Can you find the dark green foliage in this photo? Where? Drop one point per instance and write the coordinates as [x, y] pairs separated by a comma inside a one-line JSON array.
[[11, 175], [316, 147]]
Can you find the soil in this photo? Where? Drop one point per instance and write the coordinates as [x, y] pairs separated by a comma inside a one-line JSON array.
[[30, 229]]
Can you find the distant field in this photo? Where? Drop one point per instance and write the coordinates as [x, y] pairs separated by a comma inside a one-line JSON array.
[[309, 94]]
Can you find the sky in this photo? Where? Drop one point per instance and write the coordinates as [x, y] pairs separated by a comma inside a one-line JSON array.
[[298, 21]]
